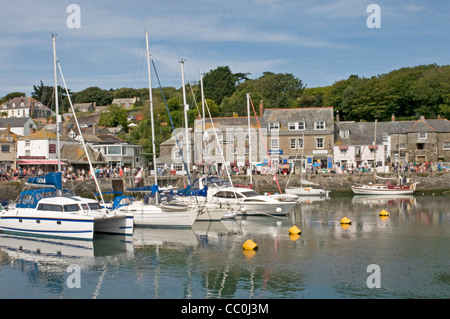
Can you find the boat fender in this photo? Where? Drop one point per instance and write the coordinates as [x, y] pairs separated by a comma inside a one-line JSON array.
[[249, 245], [279, 210]]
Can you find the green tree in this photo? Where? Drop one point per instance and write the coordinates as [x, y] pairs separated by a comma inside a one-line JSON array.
[[93, 94], [46, 95], [11, 96], [279, 90], [113, 117], [219, 83]]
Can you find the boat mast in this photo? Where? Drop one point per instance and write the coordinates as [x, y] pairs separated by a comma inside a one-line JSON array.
[[56, 103], [151, 113], [375, 152], [249, 140], [186, 129]]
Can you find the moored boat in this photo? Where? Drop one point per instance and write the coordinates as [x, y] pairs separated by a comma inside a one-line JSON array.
[[384, 189]]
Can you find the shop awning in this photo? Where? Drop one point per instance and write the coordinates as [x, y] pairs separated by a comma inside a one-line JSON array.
[[38, 162]]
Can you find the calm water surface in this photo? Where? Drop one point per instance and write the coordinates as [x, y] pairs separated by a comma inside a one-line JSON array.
[[411, 248]]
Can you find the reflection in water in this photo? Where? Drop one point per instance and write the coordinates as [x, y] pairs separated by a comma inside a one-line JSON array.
[[207, 261]]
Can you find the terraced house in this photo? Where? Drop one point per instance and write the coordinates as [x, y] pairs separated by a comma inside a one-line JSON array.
[[297, 133], [25, 107]]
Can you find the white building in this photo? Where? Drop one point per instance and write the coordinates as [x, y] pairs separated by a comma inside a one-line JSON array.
[[354, 146]]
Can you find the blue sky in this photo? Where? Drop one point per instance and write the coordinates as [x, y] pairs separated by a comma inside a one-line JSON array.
[[318, 41]]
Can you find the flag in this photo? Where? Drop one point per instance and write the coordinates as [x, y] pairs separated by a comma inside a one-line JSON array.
[[138, 176]]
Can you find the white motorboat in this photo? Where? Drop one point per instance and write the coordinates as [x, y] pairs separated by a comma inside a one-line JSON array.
[[248, 202], [41, 212]]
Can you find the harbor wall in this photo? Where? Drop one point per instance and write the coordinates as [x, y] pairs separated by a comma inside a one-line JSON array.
[[435, 182]]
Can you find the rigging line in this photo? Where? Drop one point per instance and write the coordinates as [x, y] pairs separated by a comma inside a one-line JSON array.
[[262, 138], [173, 128], [79, 129]]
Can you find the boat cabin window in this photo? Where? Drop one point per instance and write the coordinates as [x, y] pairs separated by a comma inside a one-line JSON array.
[[250, 193], [50, 207], [71, 208], [27, 199], [94, 206], [85, 206], [225, 194]]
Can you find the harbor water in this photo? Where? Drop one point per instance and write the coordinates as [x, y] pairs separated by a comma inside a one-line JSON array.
[[401, 256]]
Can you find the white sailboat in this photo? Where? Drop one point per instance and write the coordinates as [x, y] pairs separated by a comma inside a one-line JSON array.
[[383, 188], [47, 212], [147, 214], [306, 188]]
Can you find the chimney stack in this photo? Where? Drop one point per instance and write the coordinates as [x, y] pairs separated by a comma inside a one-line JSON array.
[[261, 108], [94, 128], [393, 117]]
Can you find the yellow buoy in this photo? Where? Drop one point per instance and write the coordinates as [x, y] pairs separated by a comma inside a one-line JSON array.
[[346, 221], [294, 237], [384, 213], [295, 230], [249, 245]]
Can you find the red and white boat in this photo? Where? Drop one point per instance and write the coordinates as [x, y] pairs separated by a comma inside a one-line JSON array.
[[384, 189]]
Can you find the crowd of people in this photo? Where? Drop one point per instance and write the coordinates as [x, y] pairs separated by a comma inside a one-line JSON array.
[[68, 173], [127, 172]]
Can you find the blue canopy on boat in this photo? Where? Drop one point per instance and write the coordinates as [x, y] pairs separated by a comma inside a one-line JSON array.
[[51, 179]]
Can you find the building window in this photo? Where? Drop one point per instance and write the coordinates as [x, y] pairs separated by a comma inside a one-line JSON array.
[[247, 150], [293, 143], [293, 126], [300, 143], [423, 136], [176, 155], [446, 146], [232, 150], [114, 150], [274, 126], [319, 142], [420, 146], [344, 133], [232, 136], [5, 148], [274, 143], [319, 125]]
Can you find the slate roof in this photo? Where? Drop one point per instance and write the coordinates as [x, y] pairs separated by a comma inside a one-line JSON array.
[[360, 133], [27, 101], [75, 154], [13, 121]]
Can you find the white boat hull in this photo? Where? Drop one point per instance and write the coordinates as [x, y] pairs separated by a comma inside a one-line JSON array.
[[255, 208], [151, 215], [306, 191], [51, 225], [373, 190], [209, 212], [117, 224]]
